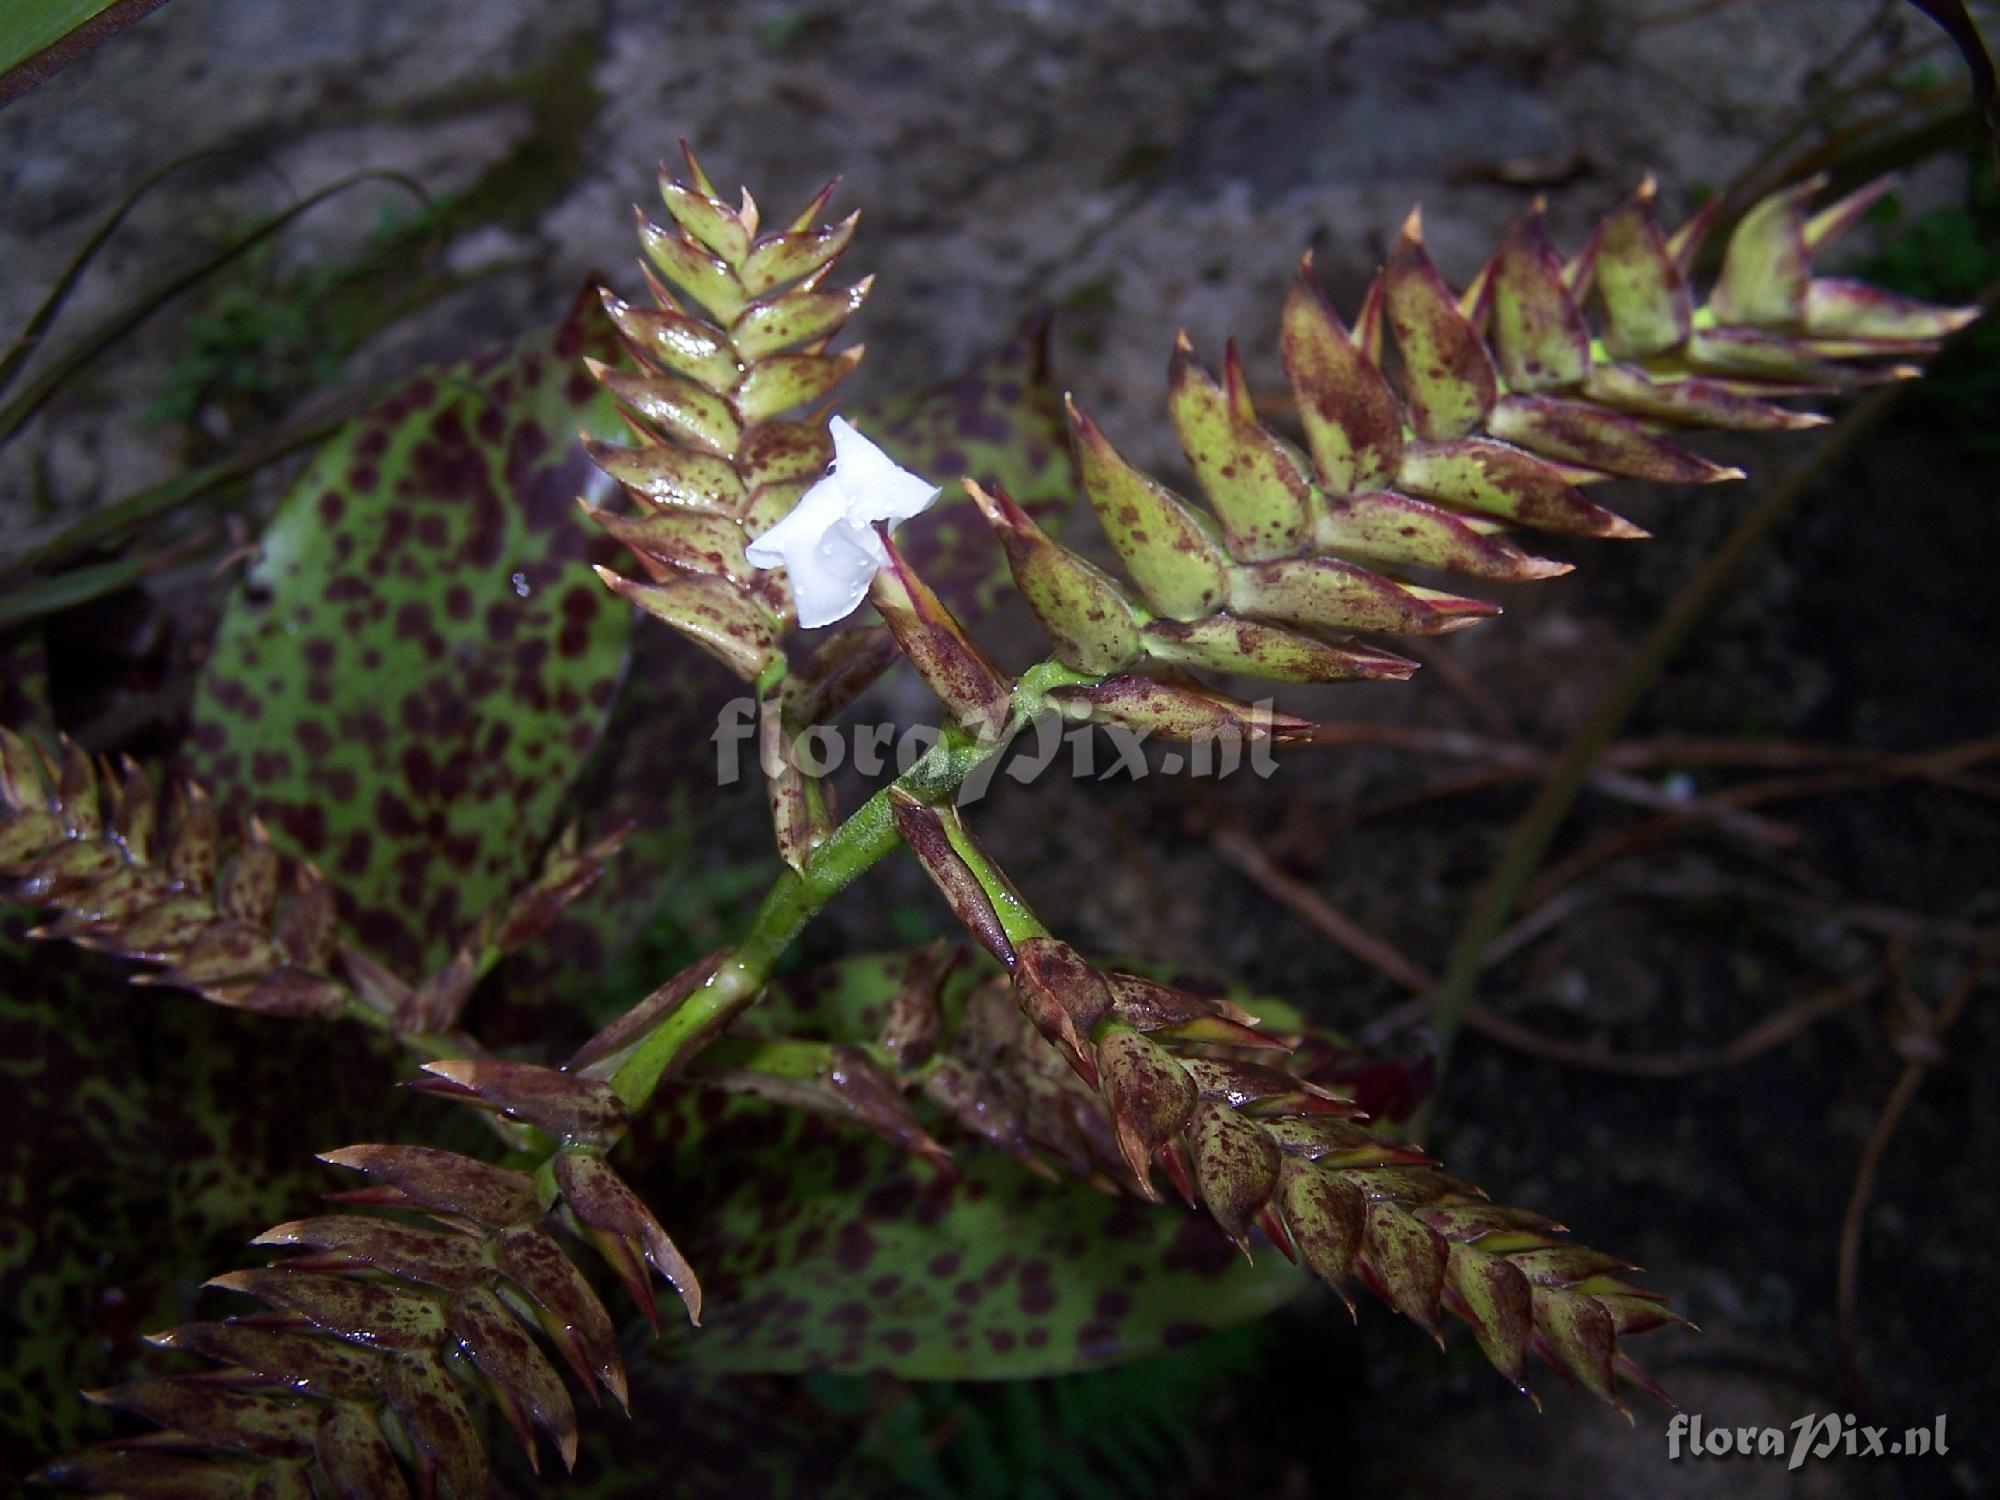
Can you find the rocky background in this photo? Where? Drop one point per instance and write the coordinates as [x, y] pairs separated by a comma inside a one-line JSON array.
[[1143, 167]]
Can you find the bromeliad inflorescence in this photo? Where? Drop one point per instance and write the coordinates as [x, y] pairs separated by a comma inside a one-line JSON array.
[[1428, 430]]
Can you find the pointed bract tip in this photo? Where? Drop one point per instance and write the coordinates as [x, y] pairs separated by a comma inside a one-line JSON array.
[[1306, 264], [694, 167], [614, 1382], [1617, 528], [1413, 226], [1646, 192], [1723, 474]]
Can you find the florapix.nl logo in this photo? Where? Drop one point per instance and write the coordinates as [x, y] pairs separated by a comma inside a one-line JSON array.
[[1817, 1435], [747, 732]]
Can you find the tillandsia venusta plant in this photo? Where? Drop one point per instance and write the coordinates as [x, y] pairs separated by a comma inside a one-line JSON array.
[[1433, 426]]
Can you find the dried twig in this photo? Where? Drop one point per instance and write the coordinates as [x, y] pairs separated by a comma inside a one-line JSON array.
[[1385, 958], [1921, 1047]]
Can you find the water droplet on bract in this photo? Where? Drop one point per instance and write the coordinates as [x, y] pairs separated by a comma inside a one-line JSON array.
[[521, 584]]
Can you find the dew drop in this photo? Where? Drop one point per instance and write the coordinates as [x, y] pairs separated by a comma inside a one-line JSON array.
[[521, 584]]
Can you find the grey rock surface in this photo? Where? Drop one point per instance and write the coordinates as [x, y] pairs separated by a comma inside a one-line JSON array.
[[1144, 166]]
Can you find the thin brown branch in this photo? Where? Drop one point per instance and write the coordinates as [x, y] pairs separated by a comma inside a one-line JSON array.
[[1317, 912], [1385, 958], [1773, 1031], [1943, 767], [1931, 1033], [1526, 762]]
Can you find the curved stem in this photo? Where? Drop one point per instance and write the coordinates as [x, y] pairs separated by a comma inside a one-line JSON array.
[[796, 897]]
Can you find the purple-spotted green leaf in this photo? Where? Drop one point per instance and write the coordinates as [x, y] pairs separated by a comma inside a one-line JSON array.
[[1578, 1336], [406, 681], [1326, 1213], [1167, 546], [922, 829], [1084, 611], [1837, 309], [1150, 1094], [1235, 1167], [137, 1133], [826, 1248]]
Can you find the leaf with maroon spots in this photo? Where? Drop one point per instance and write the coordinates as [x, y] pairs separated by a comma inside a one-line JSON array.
[[825, 1248], [1000, 422], [408, 678], [141, 1147]]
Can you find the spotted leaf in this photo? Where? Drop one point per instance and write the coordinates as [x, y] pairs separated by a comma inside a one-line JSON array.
[[408, 677]]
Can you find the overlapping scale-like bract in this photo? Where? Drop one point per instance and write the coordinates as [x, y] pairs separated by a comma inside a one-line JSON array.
[[1498, 408], [155, 875], [735, 344], [358, 1378], [1259, 1130]]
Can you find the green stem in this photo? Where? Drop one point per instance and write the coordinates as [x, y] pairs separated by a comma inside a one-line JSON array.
[[796, 897], [1016, 920], [1532, 834]]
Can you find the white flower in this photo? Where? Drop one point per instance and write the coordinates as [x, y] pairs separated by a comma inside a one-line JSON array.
[[828, 543]]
